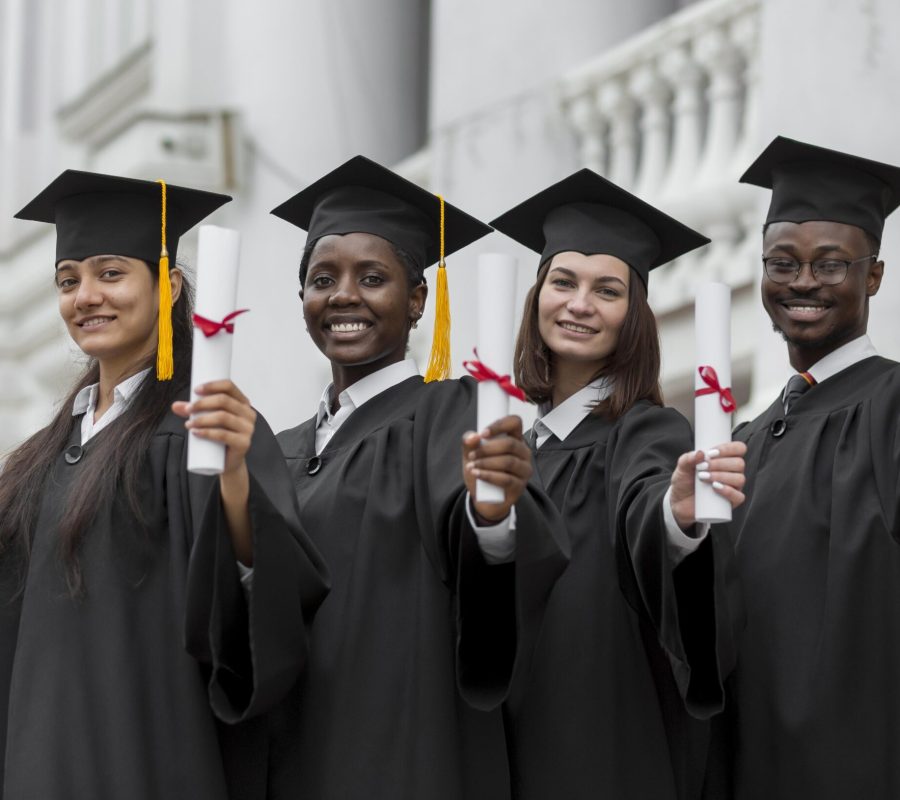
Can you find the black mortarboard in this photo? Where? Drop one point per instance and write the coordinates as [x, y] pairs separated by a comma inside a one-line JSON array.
[[586, 213], [361, 196], [813, 183], [99, 214]]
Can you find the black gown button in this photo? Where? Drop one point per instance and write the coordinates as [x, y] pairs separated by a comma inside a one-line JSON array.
[[778, 428], [73, 454], [313, 465]]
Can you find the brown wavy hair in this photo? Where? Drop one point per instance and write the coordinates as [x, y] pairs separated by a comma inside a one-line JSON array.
[[111, 471], [633, 368]]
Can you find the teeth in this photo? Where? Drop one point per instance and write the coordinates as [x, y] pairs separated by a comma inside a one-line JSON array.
[[348, 327], [806, 309], [569, 326], [92, 323]]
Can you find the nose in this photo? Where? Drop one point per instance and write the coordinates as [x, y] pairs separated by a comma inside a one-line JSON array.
[[88, 294], [344, 293], [806, 279], [579, 304]]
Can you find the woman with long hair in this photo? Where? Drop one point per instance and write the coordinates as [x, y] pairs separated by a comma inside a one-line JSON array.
[[436, 598], [113, 557], [638, 630]]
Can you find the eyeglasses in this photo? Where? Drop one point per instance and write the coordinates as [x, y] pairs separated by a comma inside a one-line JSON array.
[[827, 271]]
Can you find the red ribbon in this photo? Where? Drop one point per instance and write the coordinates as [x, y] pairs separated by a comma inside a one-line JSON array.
[[482, 372], [726, 399], [211, 327]]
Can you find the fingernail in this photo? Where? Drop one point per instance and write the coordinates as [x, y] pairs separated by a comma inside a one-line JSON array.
[[704, 476], [717, 485], [702, 465], [712, 453], [486, 433]]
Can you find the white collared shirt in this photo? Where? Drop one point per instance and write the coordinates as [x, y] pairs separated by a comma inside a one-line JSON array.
[[86, 403], [497, 542], [567, 416], [327, 424], [845, 356]]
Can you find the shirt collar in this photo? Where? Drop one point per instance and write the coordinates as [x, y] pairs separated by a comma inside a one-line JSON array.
[[845, 356], [86, 399], [563, 419], [366, 388]]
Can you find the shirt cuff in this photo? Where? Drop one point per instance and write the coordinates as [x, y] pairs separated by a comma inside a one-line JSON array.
[[684, 545], [496, 542], [246, 574]]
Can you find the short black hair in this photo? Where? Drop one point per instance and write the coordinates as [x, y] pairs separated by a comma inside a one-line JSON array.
[[872, 242]]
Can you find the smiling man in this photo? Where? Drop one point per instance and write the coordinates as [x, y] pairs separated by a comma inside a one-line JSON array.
[[813, 710]]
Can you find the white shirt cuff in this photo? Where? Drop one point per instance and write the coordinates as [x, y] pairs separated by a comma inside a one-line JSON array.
[[684, 545], [496, 542], [246, 574]]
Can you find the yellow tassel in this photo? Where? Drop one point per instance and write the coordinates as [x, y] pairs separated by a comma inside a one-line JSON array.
[[439, 362], [165, 362]]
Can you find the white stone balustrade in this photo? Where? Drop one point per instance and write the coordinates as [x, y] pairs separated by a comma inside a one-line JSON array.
[[671, 115]]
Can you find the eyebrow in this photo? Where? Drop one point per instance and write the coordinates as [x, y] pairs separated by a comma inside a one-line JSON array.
[[96, 259], [601, 279], [822, 248], [325, 261]]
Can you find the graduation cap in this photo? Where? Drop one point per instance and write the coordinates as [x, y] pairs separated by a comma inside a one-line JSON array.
[[814, 183], [98, 214], [361, 196], [588, 214]]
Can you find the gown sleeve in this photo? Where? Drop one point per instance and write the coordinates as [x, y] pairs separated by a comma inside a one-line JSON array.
[[691, 601], [499, 608], [254, 643]]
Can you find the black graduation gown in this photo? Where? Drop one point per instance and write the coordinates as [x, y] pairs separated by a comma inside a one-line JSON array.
[[813, 709], [102, 698], [630, 636], [412, 652]]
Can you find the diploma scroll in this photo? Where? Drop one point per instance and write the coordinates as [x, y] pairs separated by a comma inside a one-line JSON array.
[[218, 256], [496, 313], [712, 382]]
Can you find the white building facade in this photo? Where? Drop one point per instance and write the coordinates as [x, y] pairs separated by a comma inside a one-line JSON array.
[[483, 102]]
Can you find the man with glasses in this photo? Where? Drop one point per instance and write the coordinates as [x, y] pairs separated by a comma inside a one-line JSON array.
[[814, 703]]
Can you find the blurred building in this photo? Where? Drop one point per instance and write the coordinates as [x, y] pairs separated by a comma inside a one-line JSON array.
[[484, 102]]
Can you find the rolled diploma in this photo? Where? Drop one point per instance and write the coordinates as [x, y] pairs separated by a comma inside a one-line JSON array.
[[496, 311], [712, 424], [218, 255]]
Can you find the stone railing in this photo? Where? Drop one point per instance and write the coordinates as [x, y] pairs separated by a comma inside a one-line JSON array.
[[671, 115]]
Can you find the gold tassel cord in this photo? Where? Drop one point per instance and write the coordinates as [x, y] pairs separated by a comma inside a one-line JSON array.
[[439, 362], [165, 362]]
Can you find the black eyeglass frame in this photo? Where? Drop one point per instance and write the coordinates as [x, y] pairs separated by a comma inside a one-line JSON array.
[[815, 266]]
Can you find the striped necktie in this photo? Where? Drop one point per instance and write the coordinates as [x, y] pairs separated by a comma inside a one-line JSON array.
[[796, 386]]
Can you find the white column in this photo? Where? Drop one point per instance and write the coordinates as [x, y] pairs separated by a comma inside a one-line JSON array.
[[654, 96], [687, 134]]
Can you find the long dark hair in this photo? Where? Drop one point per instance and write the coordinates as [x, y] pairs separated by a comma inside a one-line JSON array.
[[113, 467], [633, 368]]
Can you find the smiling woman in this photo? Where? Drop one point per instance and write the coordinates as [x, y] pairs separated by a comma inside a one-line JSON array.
[[112, 557], [432, 607], [639, 624]]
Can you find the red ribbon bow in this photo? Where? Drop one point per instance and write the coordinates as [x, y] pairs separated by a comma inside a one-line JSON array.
[[481, 372], [211, 327], [726, 399]]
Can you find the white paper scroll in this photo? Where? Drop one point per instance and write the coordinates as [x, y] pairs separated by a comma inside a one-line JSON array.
[[712, 424], [218, 255], [496, 312]]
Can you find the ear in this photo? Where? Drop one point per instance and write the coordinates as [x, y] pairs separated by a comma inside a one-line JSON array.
[[176, 279], [417, 298], [873, 278]]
